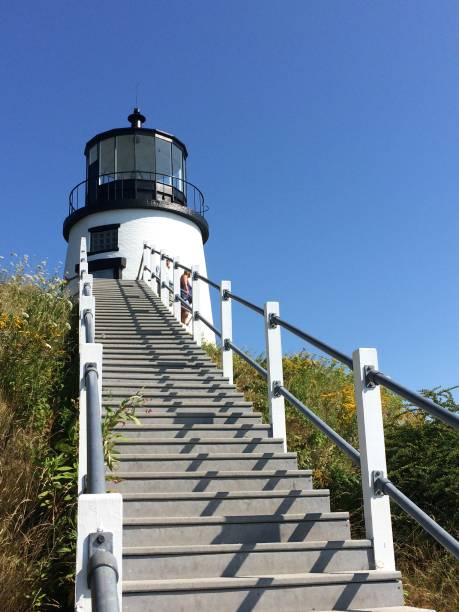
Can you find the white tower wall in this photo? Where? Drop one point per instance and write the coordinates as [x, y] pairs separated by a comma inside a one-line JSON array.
[[177, 236]]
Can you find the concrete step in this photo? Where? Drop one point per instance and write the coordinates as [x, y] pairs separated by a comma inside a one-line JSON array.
[[198, 462], [186, 431], [174, 419], [146, 369], [200, 561], [192, 446], [212, 480], [158, 361], [285, 592], [213, 393], [180, 531], [119, 378], [116, 385], [183, 402], [225, 503]]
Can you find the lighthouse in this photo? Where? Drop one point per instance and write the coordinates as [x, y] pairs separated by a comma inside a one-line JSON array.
[[136, 191]]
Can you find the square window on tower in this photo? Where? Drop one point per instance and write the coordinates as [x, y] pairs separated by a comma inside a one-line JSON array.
[[104, 238]]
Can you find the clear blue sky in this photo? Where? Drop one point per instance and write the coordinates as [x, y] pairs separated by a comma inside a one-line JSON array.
[[324, 135]]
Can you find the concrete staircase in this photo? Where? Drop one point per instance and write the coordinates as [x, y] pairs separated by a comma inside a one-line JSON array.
[[215, 513]]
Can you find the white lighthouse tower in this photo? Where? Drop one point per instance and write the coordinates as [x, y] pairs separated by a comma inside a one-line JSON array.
[[136, 191]]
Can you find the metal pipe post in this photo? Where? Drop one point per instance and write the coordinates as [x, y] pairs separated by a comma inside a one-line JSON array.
[[378, 522], [227, 331], [275, 373]]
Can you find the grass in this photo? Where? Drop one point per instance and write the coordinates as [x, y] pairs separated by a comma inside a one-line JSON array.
[[38, 416]]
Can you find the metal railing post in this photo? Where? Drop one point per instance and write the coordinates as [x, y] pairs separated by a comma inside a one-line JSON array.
[[378, 523], [176, 272], [227, 331], [164, 279], [197, 325], [275, 374]]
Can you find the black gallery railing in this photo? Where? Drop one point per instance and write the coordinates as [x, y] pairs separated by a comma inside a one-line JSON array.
[[377, 488], [104, 189]]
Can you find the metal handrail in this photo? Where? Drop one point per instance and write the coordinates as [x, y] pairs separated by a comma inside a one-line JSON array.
[[95, 444], [229, 295], [384, 485], [199, 316], [207, 280], [376, 377], [191, 196], [322, 346], [167, 286], [229, 345], [347, 448]]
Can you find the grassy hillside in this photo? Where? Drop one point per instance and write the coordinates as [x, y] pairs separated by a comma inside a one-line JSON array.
[[37, 441], [422, 455]]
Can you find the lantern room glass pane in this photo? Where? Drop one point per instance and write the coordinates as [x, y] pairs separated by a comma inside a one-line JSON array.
[[145, 157], [177, 167], [125, 155], [163, 160], [107, 157], [92, 154]]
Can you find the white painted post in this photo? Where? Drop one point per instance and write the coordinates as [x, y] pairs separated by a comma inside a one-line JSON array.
[[145, 256], [83, 258], [146, 272], [378, 523], [177, 273], [227, 330], [164, 276], [275, 374], [97, 512], [197, 334], [153, 266]]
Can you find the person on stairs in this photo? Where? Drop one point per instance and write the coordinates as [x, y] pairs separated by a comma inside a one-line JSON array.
[[186, 295]]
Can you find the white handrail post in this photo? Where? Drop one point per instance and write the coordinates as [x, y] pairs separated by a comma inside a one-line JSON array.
[[197, 335], [164, 280], [378, 523], [227, 330], [83, 269], [176, 273], [275, 373], [147, 264], [146, 253], [153, 268]]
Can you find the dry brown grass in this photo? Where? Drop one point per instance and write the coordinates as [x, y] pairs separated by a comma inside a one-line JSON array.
[[21, 538]]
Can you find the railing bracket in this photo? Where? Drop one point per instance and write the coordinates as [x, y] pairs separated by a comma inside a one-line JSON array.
[[226, 344], [369, 382], [377, 478], [225, 295], [272, 321], [91, 367], [101, 554], [276, 388]]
